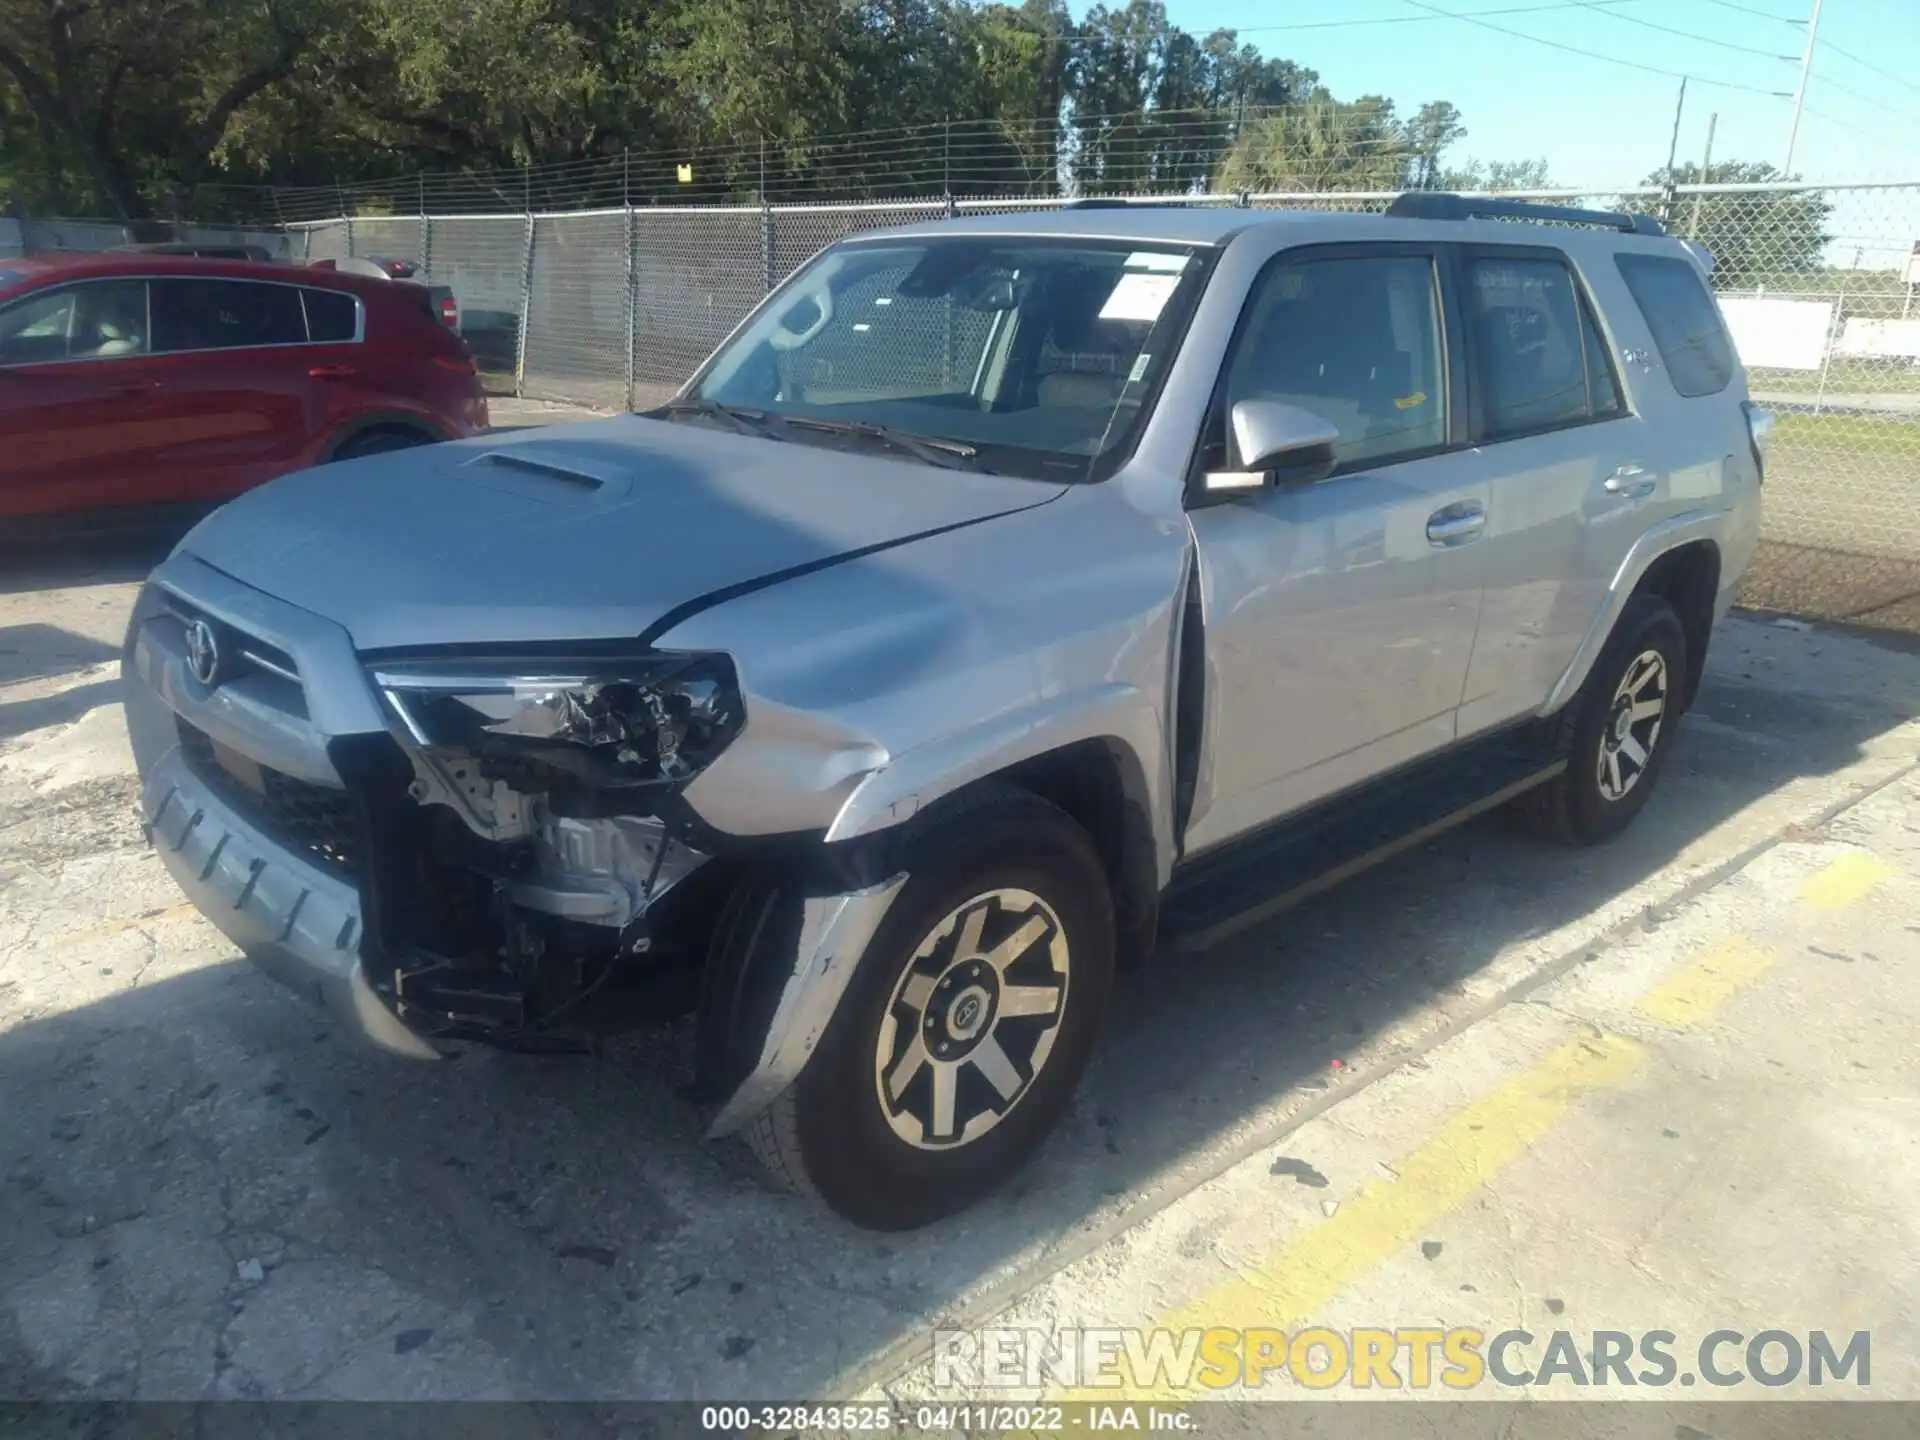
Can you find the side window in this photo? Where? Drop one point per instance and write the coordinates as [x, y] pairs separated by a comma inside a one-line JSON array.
[[35, 329], [1530, 350], [331, 316], [225, 315], [1603, 387], [101, 320], [1355, 340], [1684, 320]]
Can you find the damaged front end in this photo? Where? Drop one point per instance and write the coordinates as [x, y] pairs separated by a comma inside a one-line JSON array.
[[530, 852]]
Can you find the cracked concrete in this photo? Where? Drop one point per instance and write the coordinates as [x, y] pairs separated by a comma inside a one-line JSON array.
[[502, 1226]]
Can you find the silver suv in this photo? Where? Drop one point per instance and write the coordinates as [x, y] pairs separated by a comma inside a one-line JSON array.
[[1005, 596]]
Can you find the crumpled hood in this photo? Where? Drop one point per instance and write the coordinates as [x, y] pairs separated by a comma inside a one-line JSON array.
[[597, 530]]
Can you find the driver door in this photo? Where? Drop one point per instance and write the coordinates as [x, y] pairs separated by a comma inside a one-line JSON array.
[[82, 417], [1340, 615]]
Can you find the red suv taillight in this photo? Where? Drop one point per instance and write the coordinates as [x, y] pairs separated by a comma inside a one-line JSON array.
[[449, 312]]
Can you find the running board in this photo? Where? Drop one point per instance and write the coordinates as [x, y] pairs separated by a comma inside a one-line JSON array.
[[1218, 895]]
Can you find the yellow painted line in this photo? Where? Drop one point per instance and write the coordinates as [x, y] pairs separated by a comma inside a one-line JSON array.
[[1287, 1290], [1847, 881], [1473, 1146], [1694, 992]]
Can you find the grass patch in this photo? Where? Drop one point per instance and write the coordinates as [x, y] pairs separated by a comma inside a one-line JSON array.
[[1872, 434], [1844, 377]]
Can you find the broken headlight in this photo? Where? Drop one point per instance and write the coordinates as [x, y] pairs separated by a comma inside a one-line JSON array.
[[573, 726]]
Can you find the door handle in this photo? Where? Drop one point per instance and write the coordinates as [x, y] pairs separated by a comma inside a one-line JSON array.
[[331, 372], [1456, 524], [1635, 482]]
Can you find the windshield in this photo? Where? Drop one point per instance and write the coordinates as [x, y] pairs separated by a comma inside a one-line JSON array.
[[1033, 357]]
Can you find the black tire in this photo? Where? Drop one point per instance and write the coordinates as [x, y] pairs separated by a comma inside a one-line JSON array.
[[831, 1135], [1576, 808], [380, 442]]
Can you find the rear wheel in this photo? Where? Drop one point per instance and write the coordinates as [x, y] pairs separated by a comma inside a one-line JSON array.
[[1615, 733], [379, 442], [964, 1030]]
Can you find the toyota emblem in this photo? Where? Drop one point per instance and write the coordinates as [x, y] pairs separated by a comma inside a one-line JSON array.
[[203, 652]]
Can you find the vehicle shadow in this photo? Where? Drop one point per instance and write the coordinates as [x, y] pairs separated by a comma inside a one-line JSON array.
[[36, 652], [58, 561], [560, 1229], [19, 717]]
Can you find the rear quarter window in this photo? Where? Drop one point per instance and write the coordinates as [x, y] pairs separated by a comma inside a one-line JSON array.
[[331, 317], [1684, 320]]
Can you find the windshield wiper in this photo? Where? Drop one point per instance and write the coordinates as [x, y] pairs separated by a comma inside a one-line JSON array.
[[747, 422], [951, 454]]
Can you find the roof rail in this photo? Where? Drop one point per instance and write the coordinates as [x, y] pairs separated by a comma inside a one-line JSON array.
[[1154, 202], [1440, 205]]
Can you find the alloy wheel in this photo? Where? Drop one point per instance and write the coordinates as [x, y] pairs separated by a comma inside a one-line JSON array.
[[972, 1019], [1633, 725]]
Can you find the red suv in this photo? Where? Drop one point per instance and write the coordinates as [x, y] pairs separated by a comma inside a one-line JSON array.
[[149, 380]]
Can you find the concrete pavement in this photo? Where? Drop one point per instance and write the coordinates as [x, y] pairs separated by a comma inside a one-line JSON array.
[[1710, 1124], [208, 1194]]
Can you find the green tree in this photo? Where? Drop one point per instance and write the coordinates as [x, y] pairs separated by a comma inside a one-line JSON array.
[[141, 98], [1320, 144], [1760, 237], [1429, 135], [1497, 175]]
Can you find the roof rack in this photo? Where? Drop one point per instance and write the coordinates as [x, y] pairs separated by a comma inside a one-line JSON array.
[[1440, 205], [1150, 203]]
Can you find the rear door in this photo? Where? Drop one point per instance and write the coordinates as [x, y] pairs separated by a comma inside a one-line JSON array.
[[240, 407], [83, 420], [1571, 469]]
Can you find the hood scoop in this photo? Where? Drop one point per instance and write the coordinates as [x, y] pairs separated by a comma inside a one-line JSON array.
[[550, 475]]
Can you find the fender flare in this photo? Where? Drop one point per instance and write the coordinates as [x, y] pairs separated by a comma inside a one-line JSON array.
[[1668, 535], [1119, 715]]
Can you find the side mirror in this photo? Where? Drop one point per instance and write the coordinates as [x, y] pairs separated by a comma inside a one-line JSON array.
[[1277, 444]]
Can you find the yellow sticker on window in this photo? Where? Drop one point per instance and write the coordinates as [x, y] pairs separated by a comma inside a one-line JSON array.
[[1408, 402]]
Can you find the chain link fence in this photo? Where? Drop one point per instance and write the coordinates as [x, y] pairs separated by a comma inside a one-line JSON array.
[[1820, 287], [614, 307]]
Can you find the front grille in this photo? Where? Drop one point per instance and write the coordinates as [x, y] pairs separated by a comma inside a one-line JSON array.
[[314, 820], [244, 654]]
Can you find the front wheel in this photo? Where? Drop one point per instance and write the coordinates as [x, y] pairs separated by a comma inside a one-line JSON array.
[[380, 442], [1615, 733], [964, 1029]]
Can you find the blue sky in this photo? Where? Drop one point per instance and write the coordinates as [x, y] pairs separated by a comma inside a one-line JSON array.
[[1601, 124]]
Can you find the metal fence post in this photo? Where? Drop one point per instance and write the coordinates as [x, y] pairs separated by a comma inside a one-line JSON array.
[[426, 233], [633, 302], [766, 248], [526, 312]]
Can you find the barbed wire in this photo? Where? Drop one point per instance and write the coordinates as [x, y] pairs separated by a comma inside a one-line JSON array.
[[1314, 143]]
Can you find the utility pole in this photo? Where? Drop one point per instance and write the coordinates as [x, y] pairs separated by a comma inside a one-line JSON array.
[[1673, 154], [1800, 91], [1706, 177]]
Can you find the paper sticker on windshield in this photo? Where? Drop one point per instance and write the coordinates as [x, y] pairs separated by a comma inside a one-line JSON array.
[[1139, 368], [1156, 260], [1139, 297]]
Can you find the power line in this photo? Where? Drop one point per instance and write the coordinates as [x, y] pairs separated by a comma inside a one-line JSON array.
[[1761, 14], [1821, 78], [1869, 65], [1594, 54], [1836, 120], [1138, 36], [1688, 34]]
